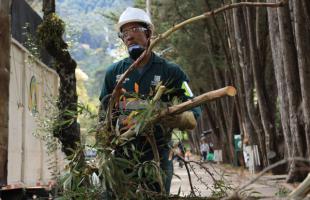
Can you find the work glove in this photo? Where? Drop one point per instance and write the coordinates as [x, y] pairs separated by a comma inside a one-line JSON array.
[[183, 121]]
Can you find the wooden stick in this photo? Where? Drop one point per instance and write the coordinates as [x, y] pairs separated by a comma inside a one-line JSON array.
[[199, 100]]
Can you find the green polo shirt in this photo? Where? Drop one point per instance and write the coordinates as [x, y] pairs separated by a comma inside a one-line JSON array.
[[155, 71]]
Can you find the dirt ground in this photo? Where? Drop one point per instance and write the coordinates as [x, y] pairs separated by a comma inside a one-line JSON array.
[[267, 187]]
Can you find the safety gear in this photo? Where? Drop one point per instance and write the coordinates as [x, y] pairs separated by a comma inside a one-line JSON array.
[[134, 15], [135, 51], [183, 121], [125, 33]]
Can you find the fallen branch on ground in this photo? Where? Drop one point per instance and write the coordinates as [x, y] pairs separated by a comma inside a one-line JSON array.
[[281, 162]]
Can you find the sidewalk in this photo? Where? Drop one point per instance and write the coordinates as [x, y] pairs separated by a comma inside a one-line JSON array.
[[267, 187]]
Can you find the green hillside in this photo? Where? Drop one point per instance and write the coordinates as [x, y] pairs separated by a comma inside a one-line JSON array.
[[91, 35]]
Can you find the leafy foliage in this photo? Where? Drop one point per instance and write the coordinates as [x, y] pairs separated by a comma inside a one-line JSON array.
[[118, 169], [53, 28], [31, 43], [45, 120], [282, 192]]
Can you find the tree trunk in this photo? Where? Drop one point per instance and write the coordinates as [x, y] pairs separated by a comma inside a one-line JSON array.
[[244, 62], [223, 119], [302, 35], [221, 77], [246, 127], [259, 80], [306, 7], [68, 133], [5, 43], [275, 42], [293, 89]]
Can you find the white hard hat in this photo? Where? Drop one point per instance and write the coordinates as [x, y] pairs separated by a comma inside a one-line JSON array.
[[134, 15]]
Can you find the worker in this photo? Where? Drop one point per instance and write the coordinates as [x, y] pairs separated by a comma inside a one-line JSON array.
[[204, 149], [135, 29]]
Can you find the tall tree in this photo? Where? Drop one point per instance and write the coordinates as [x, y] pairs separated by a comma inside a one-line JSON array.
[[287, 37], [274, 36], [258, 68], [244, 56], [50, 34], [302, 36], [290, 64], [5, 43]]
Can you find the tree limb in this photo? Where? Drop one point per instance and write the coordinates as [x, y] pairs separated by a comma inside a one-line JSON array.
[[176, 109], [302, 190]]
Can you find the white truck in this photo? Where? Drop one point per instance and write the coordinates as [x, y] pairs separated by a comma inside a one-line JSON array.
[[29, 169]]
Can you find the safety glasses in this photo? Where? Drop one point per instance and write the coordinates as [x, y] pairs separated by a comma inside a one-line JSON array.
[[125, 33]]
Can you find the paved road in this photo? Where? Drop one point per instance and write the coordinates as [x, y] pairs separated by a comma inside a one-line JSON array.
[[266, 187]]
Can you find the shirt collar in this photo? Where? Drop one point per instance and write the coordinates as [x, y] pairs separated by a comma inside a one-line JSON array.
[[154, 59]]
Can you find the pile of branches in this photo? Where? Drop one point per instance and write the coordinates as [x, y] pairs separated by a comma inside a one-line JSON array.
[[118, 172]]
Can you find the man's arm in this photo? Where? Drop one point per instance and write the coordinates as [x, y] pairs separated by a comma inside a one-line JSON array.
[[187, 119]]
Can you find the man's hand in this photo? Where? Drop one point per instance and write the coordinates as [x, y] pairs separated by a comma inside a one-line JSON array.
[[183, 121]]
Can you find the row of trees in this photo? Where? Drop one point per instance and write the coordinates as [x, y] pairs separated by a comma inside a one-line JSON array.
[[261, 51]]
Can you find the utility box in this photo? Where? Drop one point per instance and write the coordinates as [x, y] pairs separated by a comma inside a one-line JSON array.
[[237, 142], [237, 148]]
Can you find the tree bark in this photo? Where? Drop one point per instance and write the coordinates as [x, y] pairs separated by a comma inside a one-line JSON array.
[[244, 62], [259, 80], [302, 33], [290, 64], [275, 41], [306, 7], [245, 125], [69, 133], [223, 118], [5, 43], [221, 76]]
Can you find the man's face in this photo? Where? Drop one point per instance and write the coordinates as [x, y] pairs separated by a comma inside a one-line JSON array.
[[134, 34]]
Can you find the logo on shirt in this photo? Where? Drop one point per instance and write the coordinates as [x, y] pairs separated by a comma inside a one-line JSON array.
[[156, 80], [118, 77]]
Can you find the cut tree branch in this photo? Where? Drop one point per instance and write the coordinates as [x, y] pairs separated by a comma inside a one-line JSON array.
[[176, 109]]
